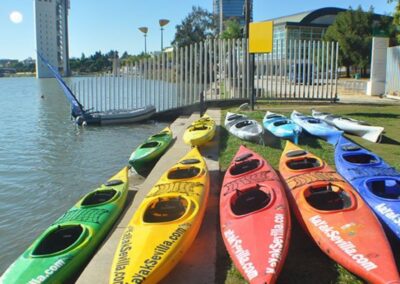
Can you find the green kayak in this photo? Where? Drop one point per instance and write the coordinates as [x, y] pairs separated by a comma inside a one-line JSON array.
[[62, 250], [147, 154]]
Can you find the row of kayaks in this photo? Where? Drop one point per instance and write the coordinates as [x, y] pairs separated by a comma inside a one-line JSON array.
[[254, 216], [161, 230], [330, 206], [324, 125]]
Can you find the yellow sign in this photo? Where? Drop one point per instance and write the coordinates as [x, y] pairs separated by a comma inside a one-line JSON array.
[[261, 37]]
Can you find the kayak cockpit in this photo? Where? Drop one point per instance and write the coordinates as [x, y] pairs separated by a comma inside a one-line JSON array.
[[244, 167], [184, 173], [199, 127], [160, 135], [243, 123], [282, 122], [151, 144], [274, 116], [385, 188], [302, 164], [328, 198], [98, 197], [314, 121], [58, 240], [165, 209], [361, 158], [250, 200]]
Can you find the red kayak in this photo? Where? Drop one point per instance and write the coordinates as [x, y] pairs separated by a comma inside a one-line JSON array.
[[255, 217], [336, 217]]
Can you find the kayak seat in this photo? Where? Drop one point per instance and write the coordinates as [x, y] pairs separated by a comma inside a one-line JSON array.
[[58, 240], [149, 145], [314, 121], [199, 127], [113, 182], [243, 124], [351, 147], [249, 201], [306, 163], [159, 135], [190, 161], [361, 159], [281, 122], [243, 157], [244, 167], [388, 188], [325, 199], [165, 210], [183, 173], [295, 153], [98, 197]]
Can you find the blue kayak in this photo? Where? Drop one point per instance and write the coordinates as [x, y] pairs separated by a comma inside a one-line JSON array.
[[317, 127], [376, 181], [281, 126]]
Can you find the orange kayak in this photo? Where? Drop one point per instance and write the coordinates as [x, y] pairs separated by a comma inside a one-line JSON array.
[[335, 216]]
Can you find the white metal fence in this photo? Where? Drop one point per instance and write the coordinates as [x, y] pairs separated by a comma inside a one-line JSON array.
[[218, 69], [393, 70]]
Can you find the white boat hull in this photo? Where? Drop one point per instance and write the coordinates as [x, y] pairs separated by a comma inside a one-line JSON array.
[[352, 126]]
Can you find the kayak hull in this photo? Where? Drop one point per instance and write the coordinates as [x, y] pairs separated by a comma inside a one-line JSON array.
[[317, 127], [147, 154], [352, 126], [336, 217], [165, 224], [281, 126], [242, 127], [262, 227], [63, 249], [200, 131], [376, 182]]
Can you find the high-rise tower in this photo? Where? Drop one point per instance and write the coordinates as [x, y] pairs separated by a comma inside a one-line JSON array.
[[51, 24], [231, 9]]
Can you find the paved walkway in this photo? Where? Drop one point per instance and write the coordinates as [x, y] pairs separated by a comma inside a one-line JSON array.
[[198, 265]]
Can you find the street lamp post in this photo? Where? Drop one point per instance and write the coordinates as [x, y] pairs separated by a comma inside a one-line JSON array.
[[163, 22], [144, 30]]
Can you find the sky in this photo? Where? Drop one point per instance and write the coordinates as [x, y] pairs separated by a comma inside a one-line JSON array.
[[100, 25]]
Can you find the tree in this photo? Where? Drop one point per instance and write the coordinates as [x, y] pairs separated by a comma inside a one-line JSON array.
[[396, 19], [353, 30], [232, 30], [196, 27]]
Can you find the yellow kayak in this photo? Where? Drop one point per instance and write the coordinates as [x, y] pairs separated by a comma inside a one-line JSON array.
[[200, 131], [165, 224]]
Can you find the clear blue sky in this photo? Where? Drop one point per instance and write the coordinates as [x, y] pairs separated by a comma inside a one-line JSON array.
[[104, 25]]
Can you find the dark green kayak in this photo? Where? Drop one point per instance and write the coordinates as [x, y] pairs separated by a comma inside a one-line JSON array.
[[67, 245], [147, 154]]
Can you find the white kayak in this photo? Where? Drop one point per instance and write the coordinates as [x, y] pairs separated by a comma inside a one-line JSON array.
[[243, 127], [353, 126], [233, 118]]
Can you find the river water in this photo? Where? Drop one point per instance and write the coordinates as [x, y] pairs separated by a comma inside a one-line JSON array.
[[47, 163]]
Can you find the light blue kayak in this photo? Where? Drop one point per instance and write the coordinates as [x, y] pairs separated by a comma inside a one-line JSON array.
[[281, 126], [317, 127]]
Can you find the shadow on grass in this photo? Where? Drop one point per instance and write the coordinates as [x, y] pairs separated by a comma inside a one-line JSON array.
[[388, 140], [375, 114], [270, 140], [309, 140], [305, 262]]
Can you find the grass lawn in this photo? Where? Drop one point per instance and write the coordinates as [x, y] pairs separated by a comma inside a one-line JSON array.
[[305, 262]]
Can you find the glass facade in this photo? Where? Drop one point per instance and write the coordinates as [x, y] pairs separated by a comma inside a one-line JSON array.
[[232, 9], [283, 34]]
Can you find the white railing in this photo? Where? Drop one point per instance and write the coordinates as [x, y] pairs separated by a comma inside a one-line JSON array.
[[219, 70]]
